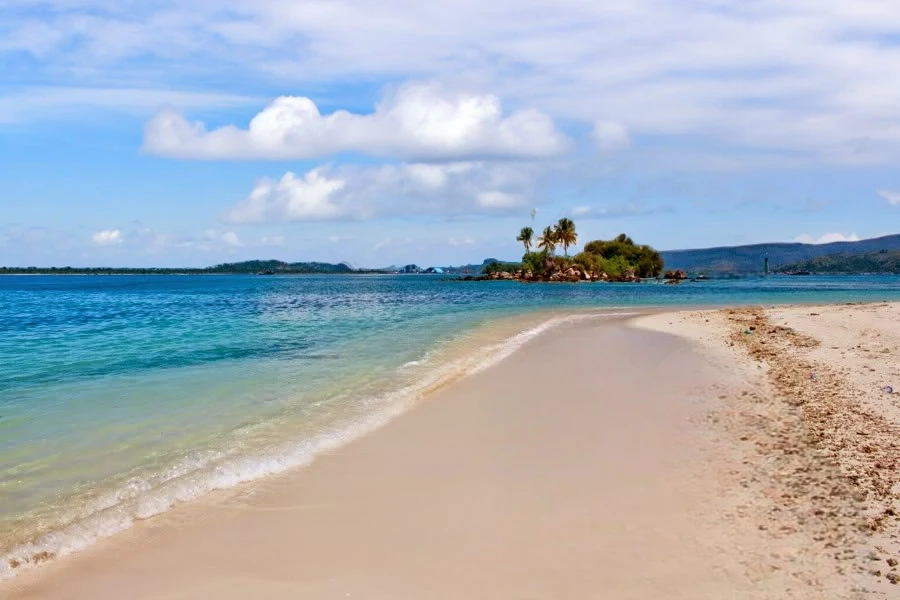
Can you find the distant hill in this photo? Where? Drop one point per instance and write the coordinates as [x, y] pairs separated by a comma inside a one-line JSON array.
[[277, 266], [470, 269], [749, 259], [883, 261], [260, 267]]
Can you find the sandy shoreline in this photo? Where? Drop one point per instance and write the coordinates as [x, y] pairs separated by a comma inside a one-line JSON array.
[[826, 433], [603, 459]]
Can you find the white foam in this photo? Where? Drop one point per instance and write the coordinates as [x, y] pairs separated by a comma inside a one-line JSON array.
[[202, 472]]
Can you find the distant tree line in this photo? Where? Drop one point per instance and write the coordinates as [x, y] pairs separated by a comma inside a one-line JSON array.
[[254, 267], [882, 261]]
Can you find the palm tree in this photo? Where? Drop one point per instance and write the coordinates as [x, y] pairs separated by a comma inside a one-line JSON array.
[[547, 241], [565, 234], [525, 237]]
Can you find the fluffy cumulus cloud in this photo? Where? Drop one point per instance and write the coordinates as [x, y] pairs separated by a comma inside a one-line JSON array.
[[108, 237], [422, 121], [826, 238], [331, 193], [893, 198], [311, 197]]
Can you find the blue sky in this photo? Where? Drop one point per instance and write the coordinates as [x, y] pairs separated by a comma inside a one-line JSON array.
[[192, 133]]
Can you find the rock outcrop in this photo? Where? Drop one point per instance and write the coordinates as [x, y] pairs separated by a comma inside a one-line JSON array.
[[554, 272]]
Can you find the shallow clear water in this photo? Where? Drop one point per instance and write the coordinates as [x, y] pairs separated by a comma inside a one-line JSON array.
[[120, 396]]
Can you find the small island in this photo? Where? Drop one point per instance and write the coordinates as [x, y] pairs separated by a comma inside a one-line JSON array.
[[619, 259]]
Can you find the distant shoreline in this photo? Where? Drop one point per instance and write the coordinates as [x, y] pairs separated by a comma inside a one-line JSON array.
[[181, 273], [448, 276]]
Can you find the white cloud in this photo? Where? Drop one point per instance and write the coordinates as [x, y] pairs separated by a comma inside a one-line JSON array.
[[615, 212], [893, 198], [422, 121], [826, 238], [209, 240], [388, 242], [497, 199], [62, 102], [108, 237], [29, 235], [232, 239], [274, 240], [330, 193], [610, 136], [462, 242], [309, 198], [816, 79]]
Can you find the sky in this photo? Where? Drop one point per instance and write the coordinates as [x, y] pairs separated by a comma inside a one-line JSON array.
[[175, 133]]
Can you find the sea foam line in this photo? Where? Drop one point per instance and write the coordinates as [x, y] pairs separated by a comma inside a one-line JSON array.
[[198, 474]]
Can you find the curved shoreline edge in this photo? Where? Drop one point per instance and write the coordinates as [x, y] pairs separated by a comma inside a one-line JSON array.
[[113, 521]]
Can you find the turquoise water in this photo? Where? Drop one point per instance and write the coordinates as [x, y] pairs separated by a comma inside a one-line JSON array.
[[121, 396]]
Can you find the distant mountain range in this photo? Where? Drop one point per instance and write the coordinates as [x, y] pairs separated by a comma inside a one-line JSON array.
[[750, 259], [883, 261]]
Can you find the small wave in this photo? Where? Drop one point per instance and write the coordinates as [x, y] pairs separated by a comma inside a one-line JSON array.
[[203, 472]]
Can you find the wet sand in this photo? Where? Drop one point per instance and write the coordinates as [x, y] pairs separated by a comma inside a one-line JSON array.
[[602, 460]]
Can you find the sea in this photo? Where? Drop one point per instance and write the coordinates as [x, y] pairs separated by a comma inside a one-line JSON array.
[[121, 396]]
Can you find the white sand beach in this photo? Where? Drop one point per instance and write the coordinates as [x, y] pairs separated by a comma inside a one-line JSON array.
[[668, 456]]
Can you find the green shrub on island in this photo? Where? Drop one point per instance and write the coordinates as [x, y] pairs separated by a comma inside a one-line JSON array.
[[534, 261], [615, 267], [646, 261]]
